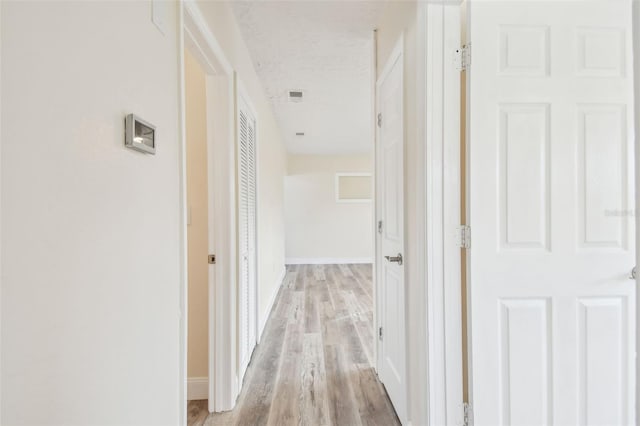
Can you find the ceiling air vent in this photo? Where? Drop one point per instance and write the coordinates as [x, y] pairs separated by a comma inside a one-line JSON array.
[[296, 95]]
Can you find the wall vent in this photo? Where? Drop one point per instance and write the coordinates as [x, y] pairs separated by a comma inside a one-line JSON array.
[[296, 95], [299, 133]]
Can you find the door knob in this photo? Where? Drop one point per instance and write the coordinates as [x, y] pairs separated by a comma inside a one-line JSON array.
[[633, 274], [397, 259]]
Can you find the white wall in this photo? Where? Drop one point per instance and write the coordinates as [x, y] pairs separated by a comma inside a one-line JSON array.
[[319, 229], [90, 229], [271, 154]]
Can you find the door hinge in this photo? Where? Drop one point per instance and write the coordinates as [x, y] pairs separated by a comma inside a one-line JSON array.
[[467, 414], [379, 333], [465, 236], [380, 120], [379, 227], [212, 259], [463, 57]]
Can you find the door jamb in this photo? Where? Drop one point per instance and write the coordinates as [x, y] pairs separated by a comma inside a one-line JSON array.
[[222, 383], [636, 83], [439, 30]]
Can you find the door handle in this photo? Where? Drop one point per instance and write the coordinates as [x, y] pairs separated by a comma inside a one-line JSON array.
[[633, 274], [397, 259]]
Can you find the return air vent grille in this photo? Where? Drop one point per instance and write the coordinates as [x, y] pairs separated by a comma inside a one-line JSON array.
[[296, 95]]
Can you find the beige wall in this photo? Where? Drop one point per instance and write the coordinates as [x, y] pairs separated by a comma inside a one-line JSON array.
[[400, 19], [90, 229], [271, 154], [317, 227], [197, 228]]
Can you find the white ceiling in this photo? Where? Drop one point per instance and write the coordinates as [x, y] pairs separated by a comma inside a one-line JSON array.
[[324, 48]]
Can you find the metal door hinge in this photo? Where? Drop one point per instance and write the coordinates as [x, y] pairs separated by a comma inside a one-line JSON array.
[[467, 414], [212, 259], [380, 120], [465, 236], [463, 57], [380, 333], [379, 227]]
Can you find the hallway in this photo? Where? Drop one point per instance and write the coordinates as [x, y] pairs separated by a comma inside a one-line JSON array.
[[313, 365]]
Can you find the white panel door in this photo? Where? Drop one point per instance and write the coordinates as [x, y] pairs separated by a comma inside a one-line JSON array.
[[390, 181], [247, 291], [551, 188]]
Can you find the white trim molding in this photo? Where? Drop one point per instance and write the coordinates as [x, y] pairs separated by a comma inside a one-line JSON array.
[[183, 300], [197, 388], [272, 299], [197, 37], [439, 103], [328, 260], [636, 82]]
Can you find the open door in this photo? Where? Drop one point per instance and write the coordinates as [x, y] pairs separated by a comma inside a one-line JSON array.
[[551, 199], [390, 298]]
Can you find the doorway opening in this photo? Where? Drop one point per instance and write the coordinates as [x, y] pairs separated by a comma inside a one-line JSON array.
[[197, 229], [209, 117]]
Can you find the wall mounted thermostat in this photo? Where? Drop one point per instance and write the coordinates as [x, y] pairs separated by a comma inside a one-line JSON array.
[[139, 134]]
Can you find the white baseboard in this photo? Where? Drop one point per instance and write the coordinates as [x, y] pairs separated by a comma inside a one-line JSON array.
[[265, 314], [326, 260], [197, 388]]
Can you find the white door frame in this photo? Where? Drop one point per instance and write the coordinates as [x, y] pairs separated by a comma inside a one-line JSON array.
[[434, 318], [198, 38], [439, 35], [636, 83]]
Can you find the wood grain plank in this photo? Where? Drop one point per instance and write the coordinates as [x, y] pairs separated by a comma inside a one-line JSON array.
[[285, 404], [301, 273], [374, 406], [296, 307], [334, 287], [254, 402], [290, 277], [364, 282], [311, 315], [342, 404], [197, 412], [350, 341], [318, 273], [346, 271], [315, 403]]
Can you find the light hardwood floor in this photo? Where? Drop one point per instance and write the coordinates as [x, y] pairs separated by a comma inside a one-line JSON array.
[[313, 366]]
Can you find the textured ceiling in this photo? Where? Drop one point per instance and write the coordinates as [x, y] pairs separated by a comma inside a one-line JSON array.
[[324, 48]]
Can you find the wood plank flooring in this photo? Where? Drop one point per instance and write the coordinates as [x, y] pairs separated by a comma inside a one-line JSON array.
[[313, 366]]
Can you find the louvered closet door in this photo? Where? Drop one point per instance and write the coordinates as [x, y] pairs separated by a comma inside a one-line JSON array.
[[246, 234]]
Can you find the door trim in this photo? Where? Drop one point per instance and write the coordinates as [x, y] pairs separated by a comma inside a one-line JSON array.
[[439, 34], [636, 83], [198, 38]]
